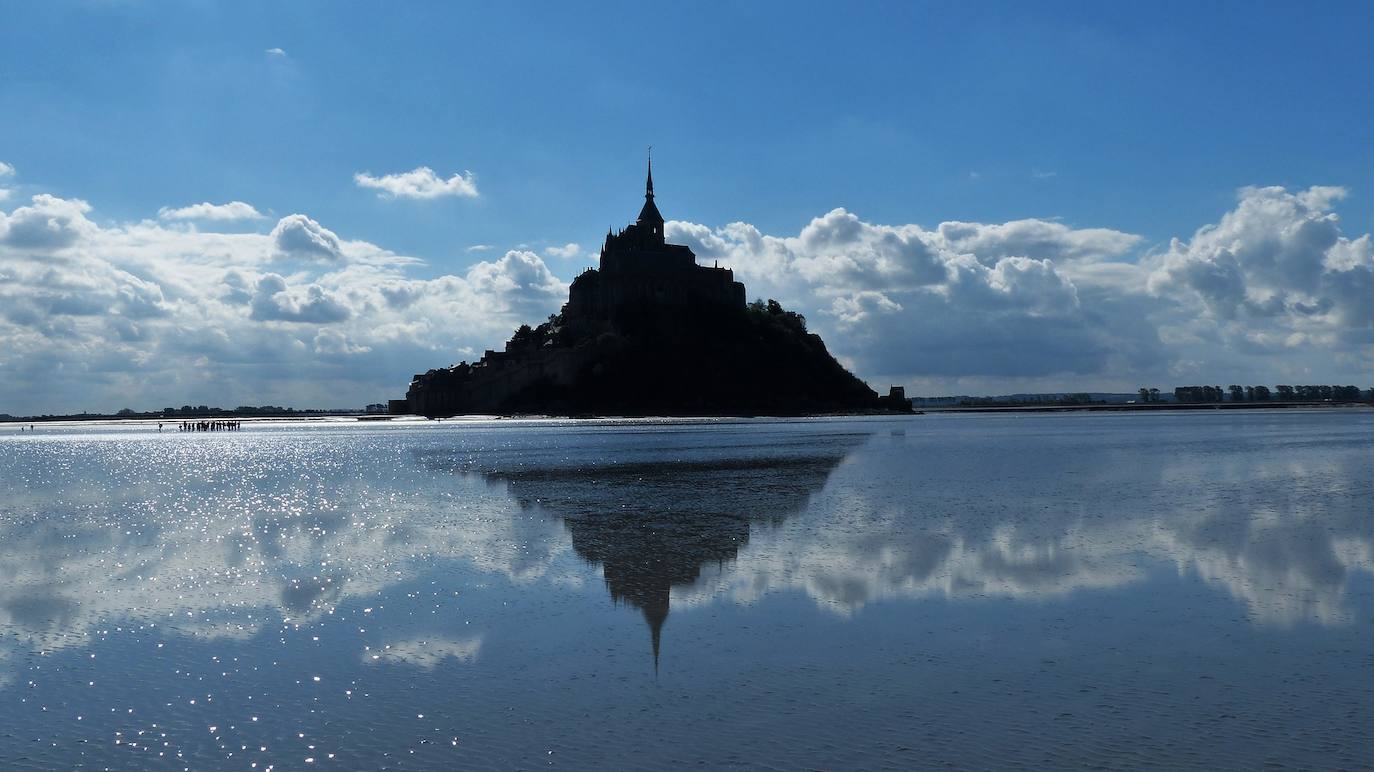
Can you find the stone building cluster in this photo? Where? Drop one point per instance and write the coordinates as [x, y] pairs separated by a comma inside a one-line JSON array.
[[640, 270], [639, 273]]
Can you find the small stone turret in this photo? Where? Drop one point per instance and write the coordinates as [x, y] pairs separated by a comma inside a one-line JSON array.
[[896, 400]]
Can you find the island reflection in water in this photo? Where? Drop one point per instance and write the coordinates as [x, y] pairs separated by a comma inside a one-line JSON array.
[[652, 523], [1101, 584]]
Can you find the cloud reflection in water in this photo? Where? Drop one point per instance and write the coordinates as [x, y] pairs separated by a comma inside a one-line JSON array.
[[223, 536], [1276, 522]]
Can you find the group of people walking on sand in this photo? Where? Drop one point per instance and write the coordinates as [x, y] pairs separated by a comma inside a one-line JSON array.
[[208, 426]]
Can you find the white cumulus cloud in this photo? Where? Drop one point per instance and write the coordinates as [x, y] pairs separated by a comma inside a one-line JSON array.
[[234, 210], [1274, 290], [1277, 253], [91, 314], [274, 300], [421, 182], [48, 222], [959, 300], [567, 251], [299, 236]]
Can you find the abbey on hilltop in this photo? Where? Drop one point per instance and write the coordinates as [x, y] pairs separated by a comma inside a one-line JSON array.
[[640, 270], [651, 332]]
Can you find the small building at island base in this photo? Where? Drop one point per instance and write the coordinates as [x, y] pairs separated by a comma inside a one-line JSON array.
[[648, 321], [896, 399]]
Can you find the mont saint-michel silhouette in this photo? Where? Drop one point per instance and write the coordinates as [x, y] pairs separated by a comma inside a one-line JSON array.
[[640, 520], [651, 332], [637, 509]]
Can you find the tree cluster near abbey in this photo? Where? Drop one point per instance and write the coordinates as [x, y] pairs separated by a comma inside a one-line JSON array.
[[651, 332]]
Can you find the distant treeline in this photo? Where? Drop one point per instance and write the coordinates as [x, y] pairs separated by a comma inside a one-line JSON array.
[[1281, 393], [1056, 400], [202, 410], [189, 411]]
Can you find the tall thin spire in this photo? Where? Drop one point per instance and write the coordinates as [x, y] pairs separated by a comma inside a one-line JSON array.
[[649, 184], [649, 217]]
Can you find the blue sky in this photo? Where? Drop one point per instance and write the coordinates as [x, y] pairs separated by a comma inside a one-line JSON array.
[[1140, 120]]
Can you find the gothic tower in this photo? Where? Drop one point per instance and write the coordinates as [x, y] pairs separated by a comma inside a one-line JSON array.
[[649, 218]]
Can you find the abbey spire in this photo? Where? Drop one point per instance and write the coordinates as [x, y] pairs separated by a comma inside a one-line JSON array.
[[649, 217], [649, 183]]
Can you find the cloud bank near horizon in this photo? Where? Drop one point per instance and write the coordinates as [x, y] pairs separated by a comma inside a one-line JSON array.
[[1274, 290], [152, 314], [172, 310]]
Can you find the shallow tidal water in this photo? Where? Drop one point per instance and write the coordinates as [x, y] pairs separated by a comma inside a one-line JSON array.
[[1170, 590]]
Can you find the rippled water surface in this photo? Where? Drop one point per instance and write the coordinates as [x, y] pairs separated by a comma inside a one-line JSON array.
[[1085, 590]]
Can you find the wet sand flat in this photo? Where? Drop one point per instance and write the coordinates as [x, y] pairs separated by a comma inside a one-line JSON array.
[[1104, 590]]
